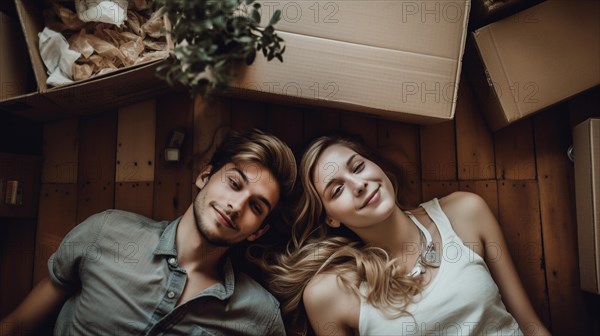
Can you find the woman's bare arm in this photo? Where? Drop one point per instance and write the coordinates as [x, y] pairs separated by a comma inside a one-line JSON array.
[[331, 309]]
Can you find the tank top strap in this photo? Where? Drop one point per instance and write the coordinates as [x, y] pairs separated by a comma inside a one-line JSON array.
[[435, 212]]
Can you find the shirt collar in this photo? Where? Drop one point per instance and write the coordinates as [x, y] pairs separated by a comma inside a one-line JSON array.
[[166, 246], [166, 243], [224, 291]]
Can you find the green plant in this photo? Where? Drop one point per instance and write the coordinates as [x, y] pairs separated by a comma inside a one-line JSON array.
[[213, 36]]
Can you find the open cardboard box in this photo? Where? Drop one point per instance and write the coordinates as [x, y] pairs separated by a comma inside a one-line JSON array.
[[392, 58], [18, 88], [535, 59], [13, 59], [97, 93]]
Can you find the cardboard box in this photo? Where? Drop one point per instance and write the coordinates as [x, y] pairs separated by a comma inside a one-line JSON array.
[[586, 146], [34, 106], [537, 58], [484, 12], [397, 59], [392, 58], [122, 86], [13, 59]]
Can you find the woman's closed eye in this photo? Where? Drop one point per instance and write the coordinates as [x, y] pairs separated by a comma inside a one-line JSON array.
[[235, 185], [337, 190], [358, 167]]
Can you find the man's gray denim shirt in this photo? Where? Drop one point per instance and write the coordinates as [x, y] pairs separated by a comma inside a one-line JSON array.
[[122, 272]]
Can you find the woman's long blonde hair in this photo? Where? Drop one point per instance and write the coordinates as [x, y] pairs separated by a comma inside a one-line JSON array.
[[316, 248]]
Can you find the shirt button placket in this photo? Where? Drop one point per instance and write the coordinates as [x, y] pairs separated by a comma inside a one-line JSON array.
[[172, 261]]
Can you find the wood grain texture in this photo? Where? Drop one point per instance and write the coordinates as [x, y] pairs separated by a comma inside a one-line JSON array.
[[557, 201], [97, 157], [438, 152], [212, 121], [438, 189], [320, 122], [135, 142], [519, 217], [287, 123], [17, 246], [57, 216], [247, 115], [60, 142], [365, 127], [399, 144], [172, 194], [515, 155], [135, 197], [474, 142]]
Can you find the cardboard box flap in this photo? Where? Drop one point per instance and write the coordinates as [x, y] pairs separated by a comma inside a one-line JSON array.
[[360, 75], [595, 182], [530, 55], [32, 106], [397, 59], [439, 24], [32, 24], [495, 73], [586, 144], [14, 63], [131, 84]]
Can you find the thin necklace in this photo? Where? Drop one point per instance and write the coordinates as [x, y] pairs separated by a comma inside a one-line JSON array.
[[428, 256]]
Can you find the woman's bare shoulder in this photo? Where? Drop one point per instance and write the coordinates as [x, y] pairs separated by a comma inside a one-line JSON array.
[[325, 289], [328, 301], [463, 205], [468, 213]]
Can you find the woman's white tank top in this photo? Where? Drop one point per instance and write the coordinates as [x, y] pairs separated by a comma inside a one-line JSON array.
[[462, 299]]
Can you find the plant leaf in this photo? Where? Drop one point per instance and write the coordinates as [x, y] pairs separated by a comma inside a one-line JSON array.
[[211, 37], [250, 57], [275, 18], [255, 15], [245, 39]]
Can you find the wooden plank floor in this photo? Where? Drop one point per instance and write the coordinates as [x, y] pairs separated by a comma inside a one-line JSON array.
[[522, 172]]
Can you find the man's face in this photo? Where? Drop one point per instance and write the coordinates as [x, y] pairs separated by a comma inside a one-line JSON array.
[[233, 202]]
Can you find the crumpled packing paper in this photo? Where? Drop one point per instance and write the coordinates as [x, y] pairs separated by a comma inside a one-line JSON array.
[[74, 50], [107, 11], [57, 57]]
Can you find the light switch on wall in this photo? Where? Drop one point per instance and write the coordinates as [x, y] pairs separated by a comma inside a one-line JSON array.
[[14, 193]]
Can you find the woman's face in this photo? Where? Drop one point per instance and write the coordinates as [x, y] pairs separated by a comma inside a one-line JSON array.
[[354, 190]]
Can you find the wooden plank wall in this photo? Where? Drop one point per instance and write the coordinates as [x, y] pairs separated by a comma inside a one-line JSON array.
[[115, 160], [17, 250], [23, 139]]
